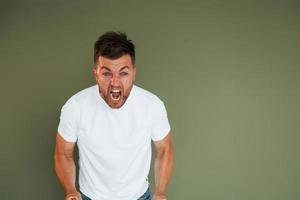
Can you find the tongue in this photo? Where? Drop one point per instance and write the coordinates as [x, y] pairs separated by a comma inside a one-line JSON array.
[[115, 95]]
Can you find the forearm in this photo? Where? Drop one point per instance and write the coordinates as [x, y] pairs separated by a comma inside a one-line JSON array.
[[66, 171], [163, 167]]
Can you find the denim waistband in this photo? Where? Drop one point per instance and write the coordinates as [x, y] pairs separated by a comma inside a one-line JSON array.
[[145, 196]]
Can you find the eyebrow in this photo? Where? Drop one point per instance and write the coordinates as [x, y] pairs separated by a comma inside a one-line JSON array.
[[104, 67], [125, 67]]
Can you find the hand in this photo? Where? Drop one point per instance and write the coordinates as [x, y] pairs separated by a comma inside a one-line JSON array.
[[73, 196], [159, 197]]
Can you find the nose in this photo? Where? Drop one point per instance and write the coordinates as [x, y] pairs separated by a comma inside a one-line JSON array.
[[115, 81]]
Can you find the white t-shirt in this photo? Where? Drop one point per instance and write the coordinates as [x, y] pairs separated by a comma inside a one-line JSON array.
[[114, 144]]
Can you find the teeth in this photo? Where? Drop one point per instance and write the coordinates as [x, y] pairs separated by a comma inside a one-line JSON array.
[[115, 94], [119, 96]]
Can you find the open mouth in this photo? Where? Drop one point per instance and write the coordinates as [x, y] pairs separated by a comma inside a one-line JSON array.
[[115, 94]]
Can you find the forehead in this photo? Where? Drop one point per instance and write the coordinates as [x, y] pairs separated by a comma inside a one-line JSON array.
[[115, 64]]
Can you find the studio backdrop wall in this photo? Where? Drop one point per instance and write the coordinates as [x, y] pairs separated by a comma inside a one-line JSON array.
[[228, 72]]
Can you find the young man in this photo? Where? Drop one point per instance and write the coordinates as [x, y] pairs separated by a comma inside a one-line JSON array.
[[113, 123]]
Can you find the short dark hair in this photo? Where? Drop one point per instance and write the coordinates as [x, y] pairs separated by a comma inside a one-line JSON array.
[[113, 45]]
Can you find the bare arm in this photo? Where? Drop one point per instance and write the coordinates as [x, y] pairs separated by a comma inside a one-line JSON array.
[[163, 166], [65, 167]]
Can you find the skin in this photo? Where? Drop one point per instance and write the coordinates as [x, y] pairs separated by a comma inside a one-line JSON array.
[[65, 167], [163, 166], [113, 74]]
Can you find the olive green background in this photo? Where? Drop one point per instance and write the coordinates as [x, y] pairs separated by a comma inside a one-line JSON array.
[[228, 72]]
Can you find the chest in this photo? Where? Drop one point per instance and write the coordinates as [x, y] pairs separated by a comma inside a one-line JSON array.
[[110, 129]]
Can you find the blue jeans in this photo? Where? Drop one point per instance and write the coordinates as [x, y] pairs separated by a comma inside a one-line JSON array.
[[145, 196]]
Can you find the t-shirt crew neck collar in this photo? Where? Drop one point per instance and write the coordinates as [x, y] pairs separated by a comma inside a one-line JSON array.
[[114, 109]]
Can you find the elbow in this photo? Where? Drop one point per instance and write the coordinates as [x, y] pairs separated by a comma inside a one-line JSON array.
[[62, 156], [166, 151]]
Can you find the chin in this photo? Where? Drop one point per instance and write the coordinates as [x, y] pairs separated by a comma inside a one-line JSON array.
[[117, 105]]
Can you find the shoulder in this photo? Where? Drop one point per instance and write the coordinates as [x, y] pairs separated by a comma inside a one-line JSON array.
[[147, 96], [82, 96]]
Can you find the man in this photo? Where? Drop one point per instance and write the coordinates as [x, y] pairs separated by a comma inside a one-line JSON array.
[[113, 123]]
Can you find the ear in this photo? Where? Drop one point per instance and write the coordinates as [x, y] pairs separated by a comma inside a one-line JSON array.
[[96, 72], [134, 72]]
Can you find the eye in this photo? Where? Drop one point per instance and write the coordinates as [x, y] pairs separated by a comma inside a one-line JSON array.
[[106, 74], [124, 73]]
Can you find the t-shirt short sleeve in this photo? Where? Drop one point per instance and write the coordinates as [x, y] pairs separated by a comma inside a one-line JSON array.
[[160, 126], [69, 119]]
